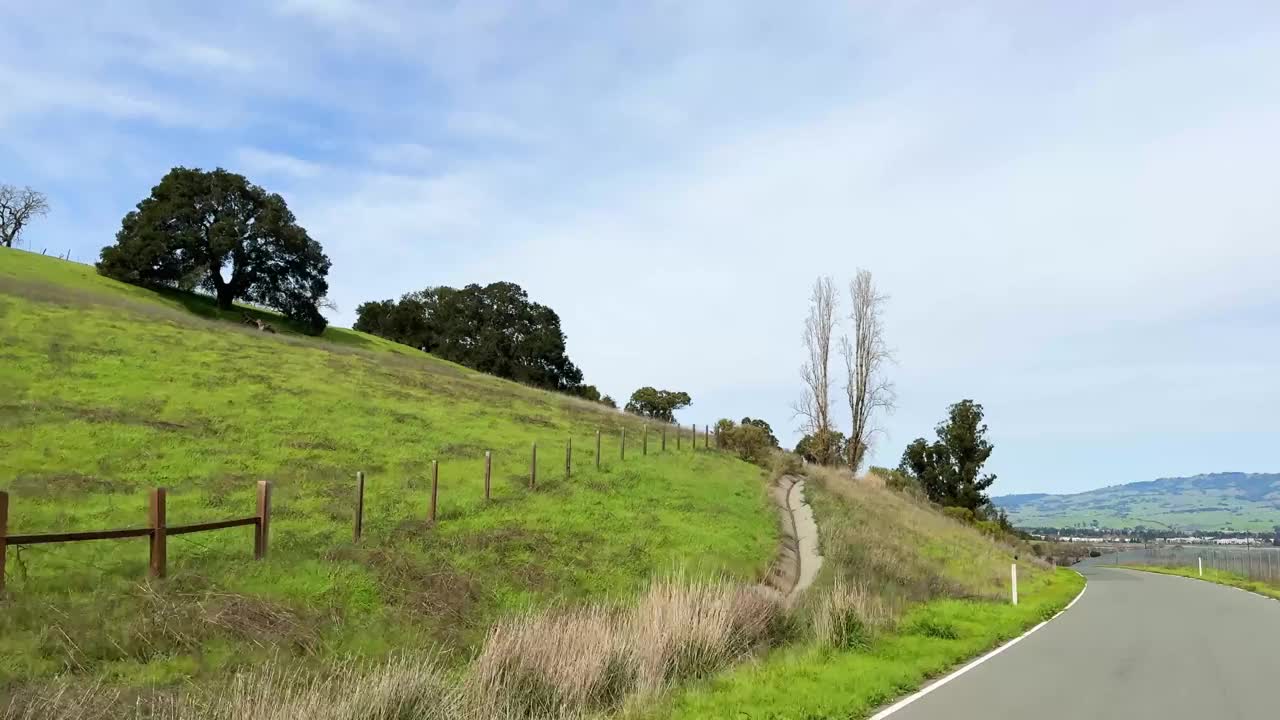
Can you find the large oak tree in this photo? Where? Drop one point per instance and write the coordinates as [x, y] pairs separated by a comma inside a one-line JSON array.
[[220, 233]]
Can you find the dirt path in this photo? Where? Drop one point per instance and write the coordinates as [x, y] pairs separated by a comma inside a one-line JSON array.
[[798, 557]]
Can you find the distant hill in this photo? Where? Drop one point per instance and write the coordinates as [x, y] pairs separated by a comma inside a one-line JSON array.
[[1217, 501]]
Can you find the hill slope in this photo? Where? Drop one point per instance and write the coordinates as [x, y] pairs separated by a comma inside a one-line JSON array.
[[107, 390], [1217, 501], [913, 590]]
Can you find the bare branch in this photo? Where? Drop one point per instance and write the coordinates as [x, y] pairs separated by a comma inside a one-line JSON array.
[[815, 402], [866, 388], [17, 208]]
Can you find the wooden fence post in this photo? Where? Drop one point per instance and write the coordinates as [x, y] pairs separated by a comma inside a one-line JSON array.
[[533, 467], [679, 433], [644, 442], [435, 490], [664, 439], [568, 458], [488, 471], [263, 534], [359, 529], [159, 539], [706, 437], [693, 434], [622, 446], [4, 533], [597, 449]]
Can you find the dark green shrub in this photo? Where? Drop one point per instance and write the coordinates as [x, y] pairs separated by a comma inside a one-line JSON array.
[[962, 514], [935, 628]]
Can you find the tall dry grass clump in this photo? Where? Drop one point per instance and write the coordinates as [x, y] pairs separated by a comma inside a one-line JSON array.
[[685, 631], [553, 664], [400, 689], [574, 662], [847, 617]]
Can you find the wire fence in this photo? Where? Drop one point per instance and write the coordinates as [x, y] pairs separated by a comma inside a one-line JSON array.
[[1255, 562], [643, 441]]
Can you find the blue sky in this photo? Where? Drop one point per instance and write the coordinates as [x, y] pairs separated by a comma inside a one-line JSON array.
[[1073, 208]]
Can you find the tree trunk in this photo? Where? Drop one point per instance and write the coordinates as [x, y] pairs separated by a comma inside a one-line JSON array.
[[222, 290], [225, 296]]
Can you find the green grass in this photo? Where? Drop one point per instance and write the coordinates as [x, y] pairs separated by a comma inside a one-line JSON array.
[[903, 548], [933, 592], [930, 639], [1221, 577], [110, 390]]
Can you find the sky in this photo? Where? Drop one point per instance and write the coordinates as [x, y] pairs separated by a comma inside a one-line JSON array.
[[1072, 206]]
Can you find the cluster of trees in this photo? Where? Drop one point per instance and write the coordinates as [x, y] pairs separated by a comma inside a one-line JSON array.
[[823, 447], [215, 231], [865, 355], [948, 470], [752, 439], [657, 404], [494, 328]]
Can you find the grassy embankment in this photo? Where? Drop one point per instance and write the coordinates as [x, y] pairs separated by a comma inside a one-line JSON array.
[[906, 594], [1222, 577], [107, 390]]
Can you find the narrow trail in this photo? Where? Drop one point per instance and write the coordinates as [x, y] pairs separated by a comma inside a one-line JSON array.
[[798, 559]]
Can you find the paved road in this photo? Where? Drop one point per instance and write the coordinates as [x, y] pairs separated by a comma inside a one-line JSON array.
[[1137, 645]]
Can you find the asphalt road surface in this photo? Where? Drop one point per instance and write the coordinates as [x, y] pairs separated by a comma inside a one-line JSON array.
[[1137, 645]]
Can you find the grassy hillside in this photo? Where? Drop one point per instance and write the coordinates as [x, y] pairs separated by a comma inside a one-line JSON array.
[[1217, 501], [905, 594], [107, 390]]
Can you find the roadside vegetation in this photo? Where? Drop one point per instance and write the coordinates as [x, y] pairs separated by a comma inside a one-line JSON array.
[[1213, 575], [905, 593]]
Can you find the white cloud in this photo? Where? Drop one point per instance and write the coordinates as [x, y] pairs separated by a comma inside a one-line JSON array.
[[1056, 199], [488, 126], [256, 162], [410, 156]]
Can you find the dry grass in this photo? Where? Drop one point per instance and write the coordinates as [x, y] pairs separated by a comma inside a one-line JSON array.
[[847, 617], [400, 689], [566, 664], [900, 548]]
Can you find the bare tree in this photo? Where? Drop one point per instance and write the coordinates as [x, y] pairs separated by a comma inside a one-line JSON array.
[[17, 207], [815, 402], [864, 359]]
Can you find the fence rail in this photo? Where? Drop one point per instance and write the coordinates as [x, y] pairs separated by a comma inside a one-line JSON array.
[[158, 532]]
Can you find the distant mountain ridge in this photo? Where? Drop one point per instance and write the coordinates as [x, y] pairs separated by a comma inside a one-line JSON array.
[[1213, 501]]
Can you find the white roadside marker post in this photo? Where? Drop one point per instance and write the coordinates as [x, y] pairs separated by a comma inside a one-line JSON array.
[[1013, 570], [1200, 566]]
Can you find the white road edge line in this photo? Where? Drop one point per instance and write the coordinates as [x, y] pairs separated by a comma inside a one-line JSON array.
[[943, 681]]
